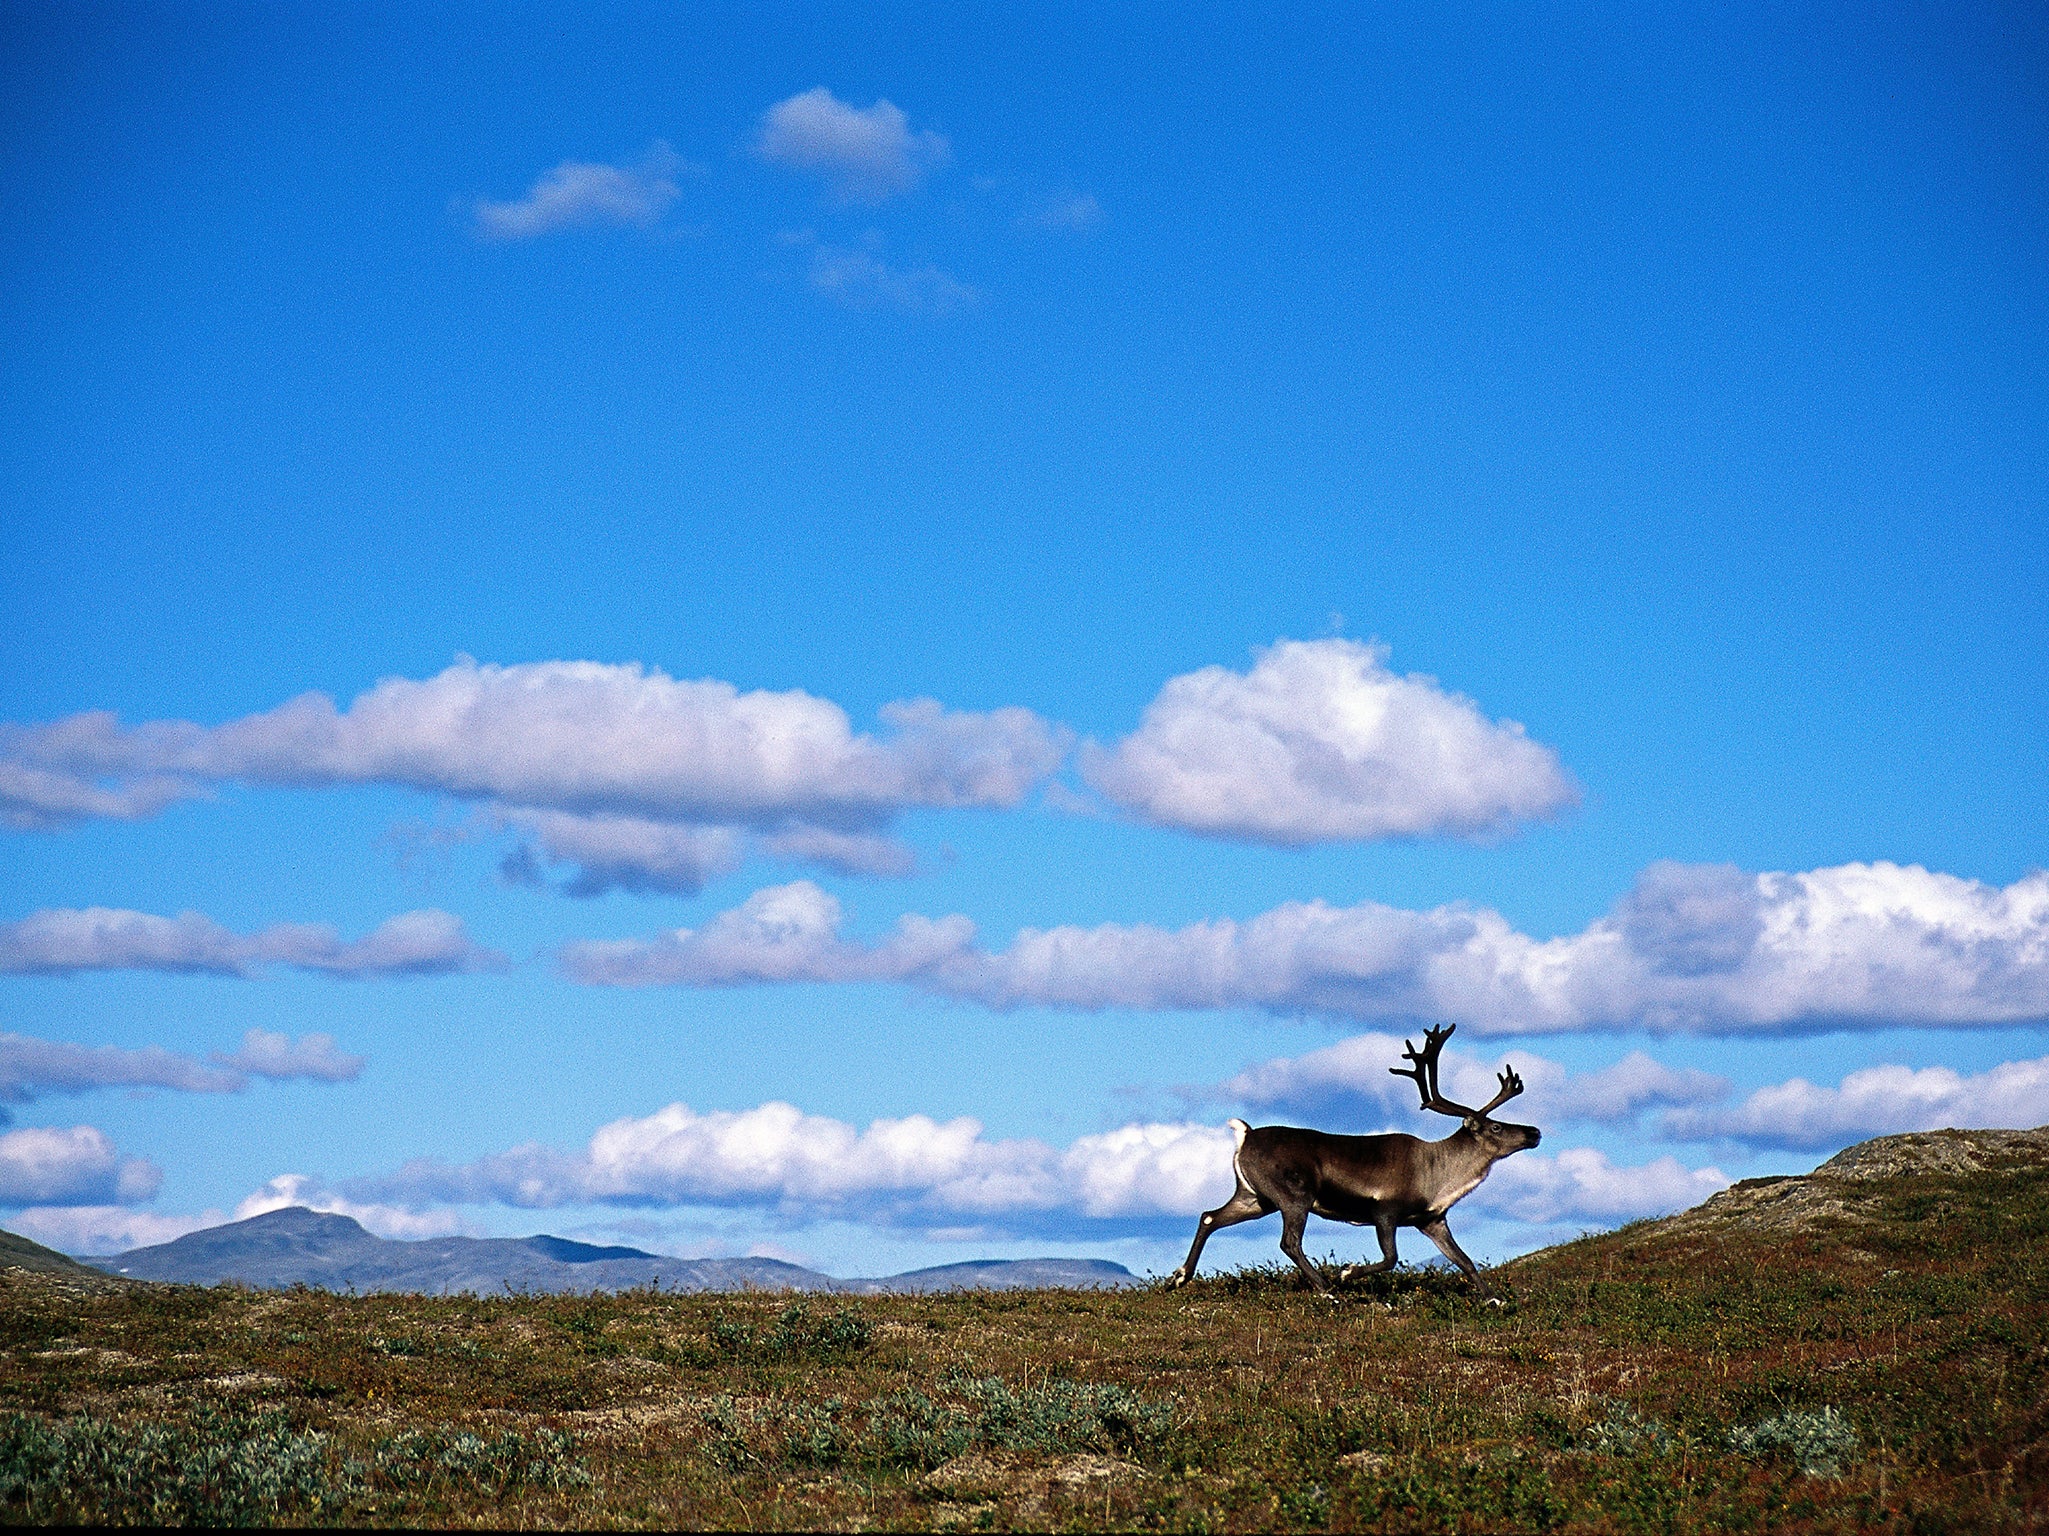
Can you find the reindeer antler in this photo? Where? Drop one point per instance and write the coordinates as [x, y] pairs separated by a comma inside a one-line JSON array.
[[1423, 1068]]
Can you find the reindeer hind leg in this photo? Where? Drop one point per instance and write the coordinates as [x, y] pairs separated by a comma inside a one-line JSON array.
[[1244, 1205]]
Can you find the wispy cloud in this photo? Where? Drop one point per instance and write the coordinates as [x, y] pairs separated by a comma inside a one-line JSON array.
[[62, 941], [578, 192], [1700, 949], [31, 1069], [864, 154], [78, 1165], [1318, 743], [861, 279], [280, 1058]]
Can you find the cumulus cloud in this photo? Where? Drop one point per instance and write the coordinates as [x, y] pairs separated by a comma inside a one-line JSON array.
[[578, 192], [78, 1165], [642, 781], [1353, 1075], [1320, 742], [861, 279], [925, 1171], [1855, 946], [296, 1189], [62, 941], [864, 155], [1580, 1184], [1874, 1101]]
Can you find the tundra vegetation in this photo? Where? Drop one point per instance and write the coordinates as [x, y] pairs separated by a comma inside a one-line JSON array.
[[1807, 1355]]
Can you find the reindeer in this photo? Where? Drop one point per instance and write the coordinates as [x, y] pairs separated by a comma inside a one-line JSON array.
[[1384, 1182]]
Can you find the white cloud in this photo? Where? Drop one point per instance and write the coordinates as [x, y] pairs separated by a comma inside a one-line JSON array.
[[865, 155], [280, 1058], [1174, 1169], [578, 192], [1355, 1073], [38, 800], [1875, 1101], [1320, 742], [61, 941], [920, 1170], [290, 1189], [1700, 949], [30, 1068], [861, 279], [1581, 1184], [782, 933], [850, 853], [104, 1229], [587, 739], [78, 1165]]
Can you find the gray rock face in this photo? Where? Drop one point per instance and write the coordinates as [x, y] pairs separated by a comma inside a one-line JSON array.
[[302, 1247]]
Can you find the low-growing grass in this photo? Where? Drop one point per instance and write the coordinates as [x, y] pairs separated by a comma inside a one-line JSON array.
[[1881, 1374]]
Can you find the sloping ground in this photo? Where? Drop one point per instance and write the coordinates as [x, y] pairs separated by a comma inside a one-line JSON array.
[[18, 1253], [1865, 1349]]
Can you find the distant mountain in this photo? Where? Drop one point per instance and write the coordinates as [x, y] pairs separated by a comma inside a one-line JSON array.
[[301, 1247]]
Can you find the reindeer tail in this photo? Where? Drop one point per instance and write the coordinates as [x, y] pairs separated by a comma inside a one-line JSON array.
[[1238, 1131]]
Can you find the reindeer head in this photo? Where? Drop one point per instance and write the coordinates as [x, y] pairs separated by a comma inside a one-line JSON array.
[[1500, 1137]]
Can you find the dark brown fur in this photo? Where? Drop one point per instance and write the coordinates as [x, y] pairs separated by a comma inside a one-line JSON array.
[[1383, 1182]]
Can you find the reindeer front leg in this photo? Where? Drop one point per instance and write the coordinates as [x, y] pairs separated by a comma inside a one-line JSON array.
[[1440, 1234]]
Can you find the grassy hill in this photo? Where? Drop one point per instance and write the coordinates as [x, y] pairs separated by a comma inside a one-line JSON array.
[[1865, 1348]]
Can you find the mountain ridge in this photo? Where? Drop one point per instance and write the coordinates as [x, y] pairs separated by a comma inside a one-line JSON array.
[[297, 1246]]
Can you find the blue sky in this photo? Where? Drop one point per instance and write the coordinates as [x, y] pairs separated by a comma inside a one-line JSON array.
[[1532, 519]]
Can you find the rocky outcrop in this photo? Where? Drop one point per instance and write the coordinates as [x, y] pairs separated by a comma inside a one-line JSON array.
[[1844, 1187]]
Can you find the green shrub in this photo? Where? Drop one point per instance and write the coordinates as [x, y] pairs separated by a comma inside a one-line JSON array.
[[1625, 1432], [443, 1459], [797, 1333], [216, 1469], [911, 1429], [1819, 1444]]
